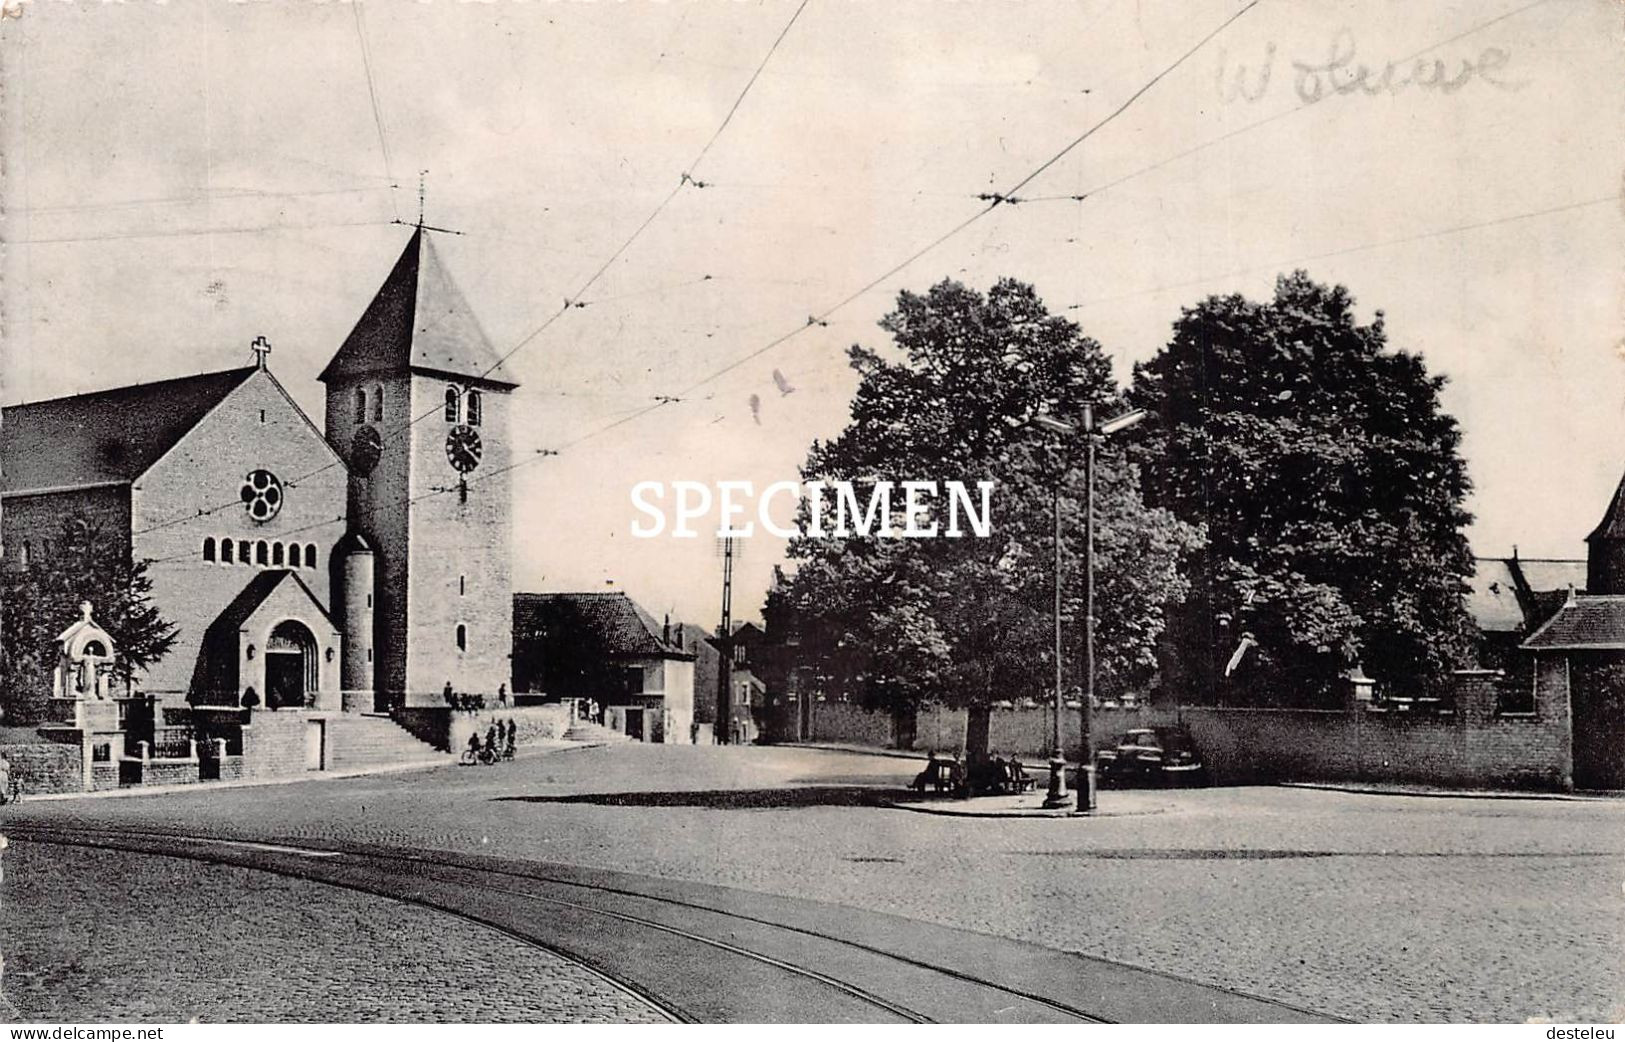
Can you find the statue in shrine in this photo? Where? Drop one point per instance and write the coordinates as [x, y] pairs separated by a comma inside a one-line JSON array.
[[84, 660]]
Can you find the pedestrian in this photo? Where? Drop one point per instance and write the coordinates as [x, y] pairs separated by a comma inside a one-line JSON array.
[[508, 748], [449, 695], [502, 695]]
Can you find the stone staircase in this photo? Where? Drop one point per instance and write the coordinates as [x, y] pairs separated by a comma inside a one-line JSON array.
[[584, 731], [360, 740]]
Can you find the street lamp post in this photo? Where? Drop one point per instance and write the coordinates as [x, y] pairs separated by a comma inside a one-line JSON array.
[[1092, 434]]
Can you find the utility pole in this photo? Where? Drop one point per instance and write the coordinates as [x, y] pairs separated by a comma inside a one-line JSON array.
[[725, 643], [1086, 784], [1056, 796]]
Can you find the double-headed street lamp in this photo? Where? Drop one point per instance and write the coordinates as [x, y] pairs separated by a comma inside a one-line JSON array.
[[1092, 434]]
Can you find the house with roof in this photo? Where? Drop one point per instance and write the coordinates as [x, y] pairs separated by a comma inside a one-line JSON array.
[[602, 651], [1579, 653]]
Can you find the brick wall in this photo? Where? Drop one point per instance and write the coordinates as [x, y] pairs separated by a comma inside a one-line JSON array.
[[36, 519], [274, 745], [448, 731], [169, 772], [47, 767], [1474, 747], [849, 723]]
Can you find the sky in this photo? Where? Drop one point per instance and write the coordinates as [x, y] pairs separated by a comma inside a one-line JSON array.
[[183, 177]]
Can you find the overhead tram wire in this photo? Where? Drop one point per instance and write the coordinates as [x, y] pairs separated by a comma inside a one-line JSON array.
[[685, 180], [1090, 194], [822, 318]]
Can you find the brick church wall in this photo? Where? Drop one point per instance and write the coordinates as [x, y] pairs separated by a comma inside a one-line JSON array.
[[256, 427], [36, 519], [461, 571]]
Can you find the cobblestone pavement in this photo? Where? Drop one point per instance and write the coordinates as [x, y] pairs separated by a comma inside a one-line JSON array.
[[96, 936], [1385, 908]]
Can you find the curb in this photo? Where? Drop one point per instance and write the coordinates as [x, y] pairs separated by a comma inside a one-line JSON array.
[[1455, 794], [1032, 813]]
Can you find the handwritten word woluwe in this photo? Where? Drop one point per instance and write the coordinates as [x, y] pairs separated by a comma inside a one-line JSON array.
[[1340, 73]]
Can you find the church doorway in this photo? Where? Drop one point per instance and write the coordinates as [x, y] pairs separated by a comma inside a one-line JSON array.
[[290, 666]]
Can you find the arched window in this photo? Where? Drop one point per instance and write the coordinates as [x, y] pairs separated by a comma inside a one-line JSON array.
[[474, 409], [360, 405], [262, 553], [310, 555], [226, 546], [242, 551], [28, 553], [276, 554], [451, 405], [377, 404], [462, 637], [208, 548]]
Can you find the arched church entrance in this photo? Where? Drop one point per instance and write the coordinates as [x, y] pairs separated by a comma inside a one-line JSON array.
[[290, 665]]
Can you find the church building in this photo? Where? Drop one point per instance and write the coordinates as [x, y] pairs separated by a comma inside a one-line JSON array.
[[359, 566]]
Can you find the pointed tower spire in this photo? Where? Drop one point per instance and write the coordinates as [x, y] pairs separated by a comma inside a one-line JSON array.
[[1605, 563], [418, 321]]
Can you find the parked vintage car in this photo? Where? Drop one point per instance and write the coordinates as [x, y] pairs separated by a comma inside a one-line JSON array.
[[1151, 755]]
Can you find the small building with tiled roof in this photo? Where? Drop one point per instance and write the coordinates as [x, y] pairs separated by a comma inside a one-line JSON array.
[[1578, 654], [605, 650]]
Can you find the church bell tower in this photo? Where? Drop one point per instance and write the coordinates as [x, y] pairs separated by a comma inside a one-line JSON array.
[[418, 406]]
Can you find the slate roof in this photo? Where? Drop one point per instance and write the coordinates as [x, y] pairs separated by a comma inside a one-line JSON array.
[[1584, 623], [104, 436], [249, 599], [601, 624], [419, 321]]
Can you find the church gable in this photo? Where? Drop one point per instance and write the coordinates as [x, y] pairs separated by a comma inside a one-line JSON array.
[[253, 485], [256, 425]]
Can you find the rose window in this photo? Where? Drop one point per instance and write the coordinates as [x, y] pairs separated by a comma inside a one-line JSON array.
[[262, 495]]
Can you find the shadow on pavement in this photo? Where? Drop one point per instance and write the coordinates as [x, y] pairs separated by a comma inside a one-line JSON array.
[[730, 799]]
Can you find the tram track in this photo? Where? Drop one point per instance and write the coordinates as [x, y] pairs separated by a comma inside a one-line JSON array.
[[704, 954]]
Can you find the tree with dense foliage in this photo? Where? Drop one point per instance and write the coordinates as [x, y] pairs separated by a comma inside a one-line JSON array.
[[968, 621], [1330, 481], [40, 600]]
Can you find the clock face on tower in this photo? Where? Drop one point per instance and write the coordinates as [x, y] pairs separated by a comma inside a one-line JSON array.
[[463, 448], [365, 449]]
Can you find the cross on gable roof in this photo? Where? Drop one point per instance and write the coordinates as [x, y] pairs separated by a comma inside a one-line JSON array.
[[418, 321]]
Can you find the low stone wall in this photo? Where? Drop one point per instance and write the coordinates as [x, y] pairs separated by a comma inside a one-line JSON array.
[[47, 767], [1473, 746], [274, 744], [169, 772], [848, 722], [448, 730]]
